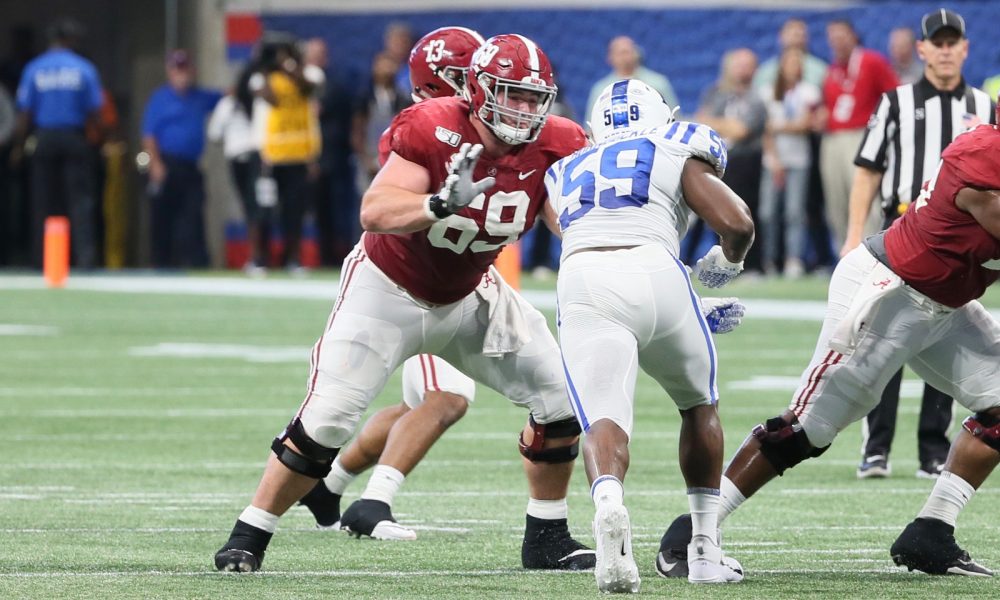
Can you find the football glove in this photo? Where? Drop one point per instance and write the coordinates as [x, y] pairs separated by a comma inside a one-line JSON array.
[[722, 314], [459, 189], [714, 270]]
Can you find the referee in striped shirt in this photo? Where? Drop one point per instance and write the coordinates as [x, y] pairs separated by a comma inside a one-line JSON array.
[[901, 149]]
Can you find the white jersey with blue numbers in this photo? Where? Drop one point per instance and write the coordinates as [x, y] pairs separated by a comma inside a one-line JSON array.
[[626, 191]]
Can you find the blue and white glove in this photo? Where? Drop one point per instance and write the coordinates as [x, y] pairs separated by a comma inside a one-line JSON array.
[[714, 270], [722, 314], [459, 190]]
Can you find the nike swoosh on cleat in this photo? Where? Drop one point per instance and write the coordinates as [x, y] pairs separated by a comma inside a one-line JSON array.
[[523, 176], [623, 548]]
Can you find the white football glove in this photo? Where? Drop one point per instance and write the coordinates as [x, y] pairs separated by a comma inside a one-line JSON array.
[[459, 189], [722, 314], [714, 270]]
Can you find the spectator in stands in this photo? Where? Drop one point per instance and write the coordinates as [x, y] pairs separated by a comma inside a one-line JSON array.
[[737, 113], [59, 93], [291, 143], [381, 103], [101, 134], [991, 85], [625, 59], [855, 81], [793, 34], [8, 118], [791, 104], [231, 124], [335, 198], [903, 55], [397, 42], [173, 135]]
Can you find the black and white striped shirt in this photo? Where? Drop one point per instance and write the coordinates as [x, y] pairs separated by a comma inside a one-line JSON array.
[[910, 128]]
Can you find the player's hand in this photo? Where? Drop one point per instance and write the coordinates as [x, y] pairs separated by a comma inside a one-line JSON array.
[[714, 269], [722, 314], [459, 189]]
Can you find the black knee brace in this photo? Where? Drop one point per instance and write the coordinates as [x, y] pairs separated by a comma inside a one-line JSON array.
[[311, 459], [559, 429], [986, 427], [784, 444]]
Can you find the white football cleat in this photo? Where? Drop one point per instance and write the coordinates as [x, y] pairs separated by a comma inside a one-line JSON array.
[[706, 564], [616, 572], [391, 530]]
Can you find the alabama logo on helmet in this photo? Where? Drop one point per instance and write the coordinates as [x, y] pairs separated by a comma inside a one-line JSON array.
[[511, 87], [440, 60]]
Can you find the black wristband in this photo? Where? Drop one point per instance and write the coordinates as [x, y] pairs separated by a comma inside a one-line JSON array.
[[438, 207]]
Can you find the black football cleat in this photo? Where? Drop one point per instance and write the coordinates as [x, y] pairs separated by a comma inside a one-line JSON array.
[[324, 505], [239, 561], [549, 545], [929, 545], [672, 559], [244, 552], [373, 518]]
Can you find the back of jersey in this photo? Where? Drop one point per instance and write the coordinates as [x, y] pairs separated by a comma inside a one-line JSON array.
[[627, 190]]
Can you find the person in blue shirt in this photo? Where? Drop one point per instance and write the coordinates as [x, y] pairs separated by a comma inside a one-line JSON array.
[[173, 135], [59, 94]]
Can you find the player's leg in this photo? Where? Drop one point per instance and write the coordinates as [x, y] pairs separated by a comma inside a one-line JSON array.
[[600, 355], [369, 331], [680, 355], [962, 364], [324, 499], [835, 390], [531, 376], [438, 395]]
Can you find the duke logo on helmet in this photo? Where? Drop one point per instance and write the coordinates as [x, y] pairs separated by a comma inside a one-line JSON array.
[[627, 106]]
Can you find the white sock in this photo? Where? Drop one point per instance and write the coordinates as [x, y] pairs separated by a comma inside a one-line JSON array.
[[383, 484], [548, 509], [607, 489], [259, 518], [339, 478], [947, 499], [730, 498], [704, 505]]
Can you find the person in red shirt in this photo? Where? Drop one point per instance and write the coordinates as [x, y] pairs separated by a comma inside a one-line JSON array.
[[856, 79], [906, 295], [464, 178]]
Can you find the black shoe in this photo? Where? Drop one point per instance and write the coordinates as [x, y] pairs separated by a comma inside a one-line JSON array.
[[874, 467], [373, 518], [929, 545], [930, 470], [324, 505], [244, 552], [548, 545], [672, 559]]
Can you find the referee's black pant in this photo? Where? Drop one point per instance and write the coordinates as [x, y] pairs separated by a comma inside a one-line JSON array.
[[935, 419]]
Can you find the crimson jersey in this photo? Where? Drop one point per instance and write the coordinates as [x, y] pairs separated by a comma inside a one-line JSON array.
[[384, 146], [939, 249], [445, 262]]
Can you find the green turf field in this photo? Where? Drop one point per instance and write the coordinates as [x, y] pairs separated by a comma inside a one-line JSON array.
[[134, 427]]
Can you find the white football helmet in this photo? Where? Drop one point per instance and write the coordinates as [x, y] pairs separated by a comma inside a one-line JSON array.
[[627, 105]]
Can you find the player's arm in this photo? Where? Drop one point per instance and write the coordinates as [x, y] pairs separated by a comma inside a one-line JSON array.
[[983, 205], [863, 189], [551, 219], [396, 201], [719, 206]]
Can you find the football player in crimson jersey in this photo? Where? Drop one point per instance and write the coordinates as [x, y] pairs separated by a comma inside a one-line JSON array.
[[906, 295], [435, 394], [464, 178]]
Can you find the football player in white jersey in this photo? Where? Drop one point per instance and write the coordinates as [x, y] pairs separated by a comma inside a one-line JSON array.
[[626, 301]]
